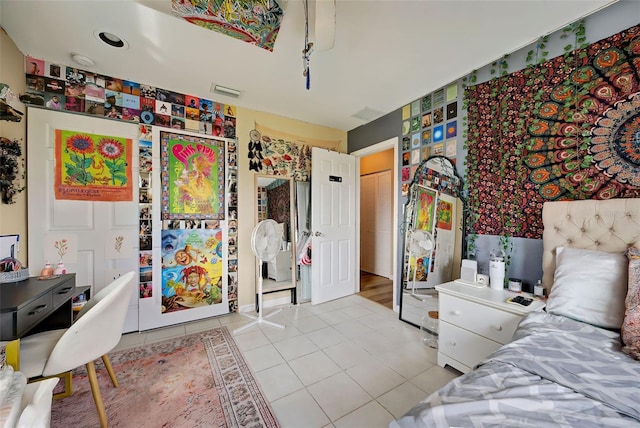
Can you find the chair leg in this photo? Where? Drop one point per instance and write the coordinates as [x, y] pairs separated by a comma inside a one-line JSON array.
[[97, 397], [12, 354], [68, 385], [112, 375]]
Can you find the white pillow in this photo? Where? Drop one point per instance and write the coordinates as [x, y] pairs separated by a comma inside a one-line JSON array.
[[589, 286]]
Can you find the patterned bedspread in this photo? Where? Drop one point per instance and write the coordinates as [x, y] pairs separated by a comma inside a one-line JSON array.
[[557, 372]]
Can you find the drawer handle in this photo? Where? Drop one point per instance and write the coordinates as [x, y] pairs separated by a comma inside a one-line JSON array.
[[37, 309], [455, 313], [498, 327], [64, 290], [452, 342]]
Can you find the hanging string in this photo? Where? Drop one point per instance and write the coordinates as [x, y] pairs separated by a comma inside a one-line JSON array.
[[308, 47]]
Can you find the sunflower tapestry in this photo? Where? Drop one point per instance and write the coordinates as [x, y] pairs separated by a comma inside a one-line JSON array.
[[92, 167], [565, 129]]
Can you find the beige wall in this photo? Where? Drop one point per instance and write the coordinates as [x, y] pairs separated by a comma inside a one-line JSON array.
[[13, 218], [247, 193], [377, 162]]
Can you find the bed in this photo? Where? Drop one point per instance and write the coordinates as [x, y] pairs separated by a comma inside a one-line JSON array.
[[576, 362]]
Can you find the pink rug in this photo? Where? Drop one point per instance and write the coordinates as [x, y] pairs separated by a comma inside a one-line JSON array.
[[200, 380]]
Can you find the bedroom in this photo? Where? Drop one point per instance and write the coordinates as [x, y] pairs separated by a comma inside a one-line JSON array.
[[394, 127]]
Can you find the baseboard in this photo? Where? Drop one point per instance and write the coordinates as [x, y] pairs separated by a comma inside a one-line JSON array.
[[267, 303]]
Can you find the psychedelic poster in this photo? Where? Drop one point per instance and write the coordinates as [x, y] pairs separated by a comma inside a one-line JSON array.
[[192, 269], [91, 167], [192, 177], [254, 21], [425, 208], [445, 215]]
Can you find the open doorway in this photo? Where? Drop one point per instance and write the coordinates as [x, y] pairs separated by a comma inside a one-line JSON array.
[[378, 222]]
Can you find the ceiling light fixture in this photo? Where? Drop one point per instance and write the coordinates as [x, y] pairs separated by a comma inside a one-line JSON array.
[[83, 60], [223, 90], [111, 39]]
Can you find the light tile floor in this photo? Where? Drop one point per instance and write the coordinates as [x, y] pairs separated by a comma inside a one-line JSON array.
[[346, 363]]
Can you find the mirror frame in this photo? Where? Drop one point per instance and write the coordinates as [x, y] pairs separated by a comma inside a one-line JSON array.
[[292, 231], [448, 169]]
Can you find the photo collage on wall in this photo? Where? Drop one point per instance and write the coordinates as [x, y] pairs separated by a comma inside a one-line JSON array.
[[70, 89], [145, 210], [192, 247], [429, 128], [199, 212]]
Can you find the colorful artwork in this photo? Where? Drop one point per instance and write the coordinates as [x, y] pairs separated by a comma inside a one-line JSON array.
[[253, 21], [438, 133], [192, 177], [92, 167], [406, 112], [425, 208], [192, 268], [445, 215], [452, 129]]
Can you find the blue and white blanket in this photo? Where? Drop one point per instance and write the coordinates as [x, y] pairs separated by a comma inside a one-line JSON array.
[[557, 372]]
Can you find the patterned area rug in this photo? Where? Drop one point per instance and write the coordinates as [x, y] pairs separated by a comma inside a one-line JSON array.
[[200, 380]]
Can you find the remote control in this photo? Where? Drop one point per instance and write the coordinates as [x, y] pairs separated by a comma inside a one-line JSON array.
[[520, 300]]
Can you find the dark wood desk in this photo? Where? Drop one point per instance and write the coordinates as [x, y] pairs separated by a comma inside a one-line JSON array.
[[34, 305]]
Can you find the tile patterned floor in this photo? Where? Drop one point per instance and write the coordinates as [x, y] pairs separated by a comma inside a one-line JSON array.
[[345, 363]]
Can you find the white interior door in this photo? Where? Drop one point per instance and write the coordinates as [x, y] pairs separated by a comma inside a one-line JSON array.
[[333, 225], [87, 224], [376, 235]]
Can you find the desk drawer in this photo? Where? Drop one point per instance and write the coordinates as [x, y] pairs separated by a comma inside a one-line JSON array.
[[489, 322], [62, 293], [34, 312]]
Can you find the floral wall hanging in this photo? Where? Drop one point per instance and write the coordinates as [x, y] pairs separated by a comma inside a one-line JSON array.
[[564, 129], [90, 167], [279, 157]]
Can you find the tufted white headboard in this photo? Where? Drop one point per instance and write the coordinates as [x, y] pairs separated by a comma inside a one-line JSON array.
[[611, 225]]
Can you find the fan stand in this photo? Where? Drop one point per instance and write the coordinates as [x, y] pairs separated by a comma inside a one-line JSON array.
[[260, 319]]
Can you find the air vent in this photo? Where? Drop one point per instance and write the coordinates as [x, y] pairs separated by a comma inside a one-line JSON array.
[[367, 114]]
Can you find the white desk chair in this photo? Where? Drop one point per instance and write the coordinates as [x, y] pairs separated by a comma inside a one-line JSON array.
[[92, 336]]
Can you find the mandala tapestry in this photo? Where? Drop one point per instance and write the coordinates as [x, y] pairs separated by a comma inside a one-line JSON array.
[[568, 129]]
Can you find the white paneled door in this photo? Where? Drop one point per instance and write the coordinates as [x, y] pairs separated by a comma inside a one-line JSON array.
[[333, 225], [88, 225], [376, 230]]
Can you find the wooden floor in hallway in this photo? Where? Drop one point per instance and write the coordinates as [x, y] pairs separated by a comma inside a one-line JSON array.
[[376, 288]]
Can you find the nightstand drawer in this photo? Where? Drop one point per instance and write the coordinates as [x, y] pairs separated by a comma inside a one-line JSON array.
[[464, 346], [489, 322]]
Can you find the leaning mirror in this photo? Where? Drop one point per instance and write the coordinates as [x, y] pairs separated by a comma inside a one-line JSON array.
[[433, 236], [274, 201]]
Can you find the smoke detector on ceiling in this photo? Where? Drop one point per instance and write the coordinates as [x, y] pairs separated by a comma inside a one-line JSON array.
[[368, 114], [83, 60]]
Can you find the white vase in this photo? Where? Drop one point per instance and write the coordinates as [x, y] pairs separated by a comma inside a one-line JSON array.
[[60, 269]]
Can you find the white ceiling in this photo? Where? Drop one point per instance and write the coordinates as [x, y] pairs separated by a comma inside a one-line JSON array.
[[386, 54]]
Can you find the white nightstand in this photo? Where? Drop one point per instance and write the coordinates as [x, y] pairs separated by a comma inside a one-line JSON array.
[[474, 322]]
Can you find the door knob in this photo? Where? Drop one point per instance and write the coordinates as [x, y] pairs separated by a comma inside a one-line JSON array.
[[317, 234]]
